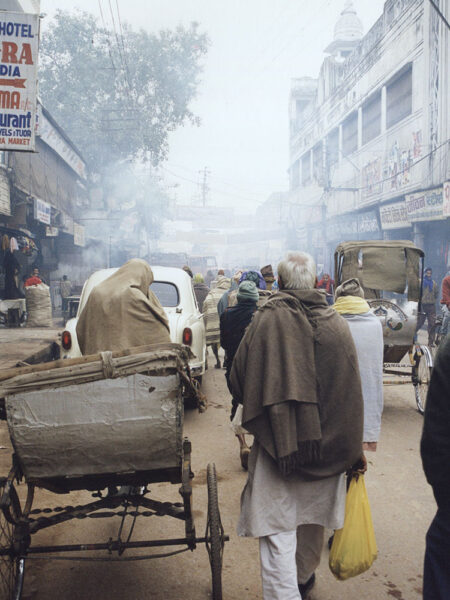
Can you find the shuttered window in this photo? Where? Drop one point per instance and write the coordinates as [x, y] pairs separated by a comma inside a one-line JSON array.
[[350, 134], [371, 118], [333, 147], [318, 163], [306, 168], [399, 98]]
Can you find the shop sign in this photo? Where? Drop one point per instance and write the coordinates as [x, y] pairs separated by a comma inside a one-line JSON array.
[[425, 206], [51, 231], [368, 223], [42, 211], [19, 39], [446, 205], [78, 235], [67, 223], [51, 136], [394, 216]]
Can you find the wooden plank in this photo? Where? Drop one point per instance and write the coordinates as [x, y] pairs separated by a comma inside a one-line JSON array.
[[69, 362]]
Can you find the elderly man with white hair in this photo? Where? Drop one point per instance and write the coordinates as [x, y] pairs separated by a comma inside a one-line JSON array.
[[296, 373]]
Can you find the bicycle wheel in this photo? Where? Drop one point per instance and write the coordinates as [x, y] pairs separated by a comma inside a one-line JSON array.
[[12, 566], [421, 375], [214, 533]]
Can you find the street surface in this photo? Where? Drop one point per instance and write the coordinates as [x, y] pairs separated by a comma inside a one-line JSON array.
[[402, 507]]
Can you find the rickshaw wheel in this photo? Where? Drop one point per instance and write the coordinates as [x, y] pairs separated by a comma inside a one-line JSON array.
[[12, 566], [214, 533], [421, 375]]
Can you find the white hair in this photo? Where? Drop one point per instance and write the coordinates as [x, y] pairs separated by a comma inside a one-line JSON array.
[[298, 271]]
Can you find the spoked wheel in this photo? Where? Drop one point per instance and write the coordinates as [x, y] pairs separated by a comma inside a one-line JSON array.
[[421, 375], [214, 533], [12, 566]]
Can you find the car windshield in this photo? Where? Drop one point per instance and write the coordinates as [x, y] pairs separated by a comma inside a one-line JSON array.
[[167, 293]]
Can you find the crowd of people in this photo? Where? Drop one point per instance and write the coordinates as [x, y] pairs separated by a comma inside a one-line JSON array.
[[305, 378], [313, 419]]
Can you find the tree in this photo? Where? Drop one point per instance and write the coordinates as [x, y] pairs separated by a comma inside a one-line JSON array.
[[118, 94]]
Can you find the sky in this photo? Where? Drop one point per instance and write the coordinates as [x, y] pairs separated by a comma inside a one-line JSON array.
[[257, 47]]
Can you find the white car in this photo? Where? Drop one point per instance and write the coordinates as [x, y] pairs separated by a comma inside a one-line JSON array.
[[174, 290]]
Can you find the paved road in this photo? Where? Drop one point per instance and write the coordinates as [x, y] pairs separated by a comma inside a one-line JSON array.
[[402, 506]]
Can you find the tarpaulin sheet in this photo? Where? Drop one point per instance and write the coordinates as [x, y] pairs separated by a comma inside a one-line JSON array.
[[384, 269], [118, 425]]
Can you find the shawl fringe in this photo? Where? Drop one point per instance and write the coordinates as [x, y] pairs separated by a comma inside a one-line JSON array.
[[309, 453]]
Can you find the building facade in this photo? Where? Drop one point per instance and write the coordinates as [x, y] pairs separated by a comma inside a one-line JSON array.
[[43, 197], [369, 138]]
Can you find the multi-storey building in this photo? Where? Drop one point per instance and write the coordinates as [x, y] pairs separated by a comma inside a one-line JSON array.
[[369, 138]]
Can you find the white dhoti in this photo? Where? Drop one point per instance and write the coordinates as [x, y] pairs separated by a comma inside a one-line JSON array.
[[289, 516]]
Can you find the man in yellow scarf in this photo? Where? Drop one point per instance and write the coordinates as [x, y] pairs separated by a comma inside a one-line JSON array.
[[367, 335]]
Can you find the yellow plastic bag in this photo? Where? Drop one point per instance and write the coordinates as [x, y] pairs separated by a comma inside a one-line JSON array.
[[354, 547]]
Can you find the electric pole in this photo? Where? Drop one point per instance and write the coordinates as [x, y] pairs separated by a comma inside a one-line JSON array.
[[204, 188]]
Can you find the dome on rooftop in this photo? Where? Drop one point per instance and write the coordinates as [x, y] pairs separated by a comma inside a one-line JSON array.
[[349, 27]]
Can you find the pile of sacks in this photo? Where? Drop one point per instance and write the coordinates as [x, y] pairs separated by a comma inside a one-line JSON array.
[[39, 306]]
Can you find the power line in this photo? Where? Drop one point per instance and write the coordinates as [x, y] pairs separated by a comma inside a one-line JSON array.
[[233, 185], [217, 191]]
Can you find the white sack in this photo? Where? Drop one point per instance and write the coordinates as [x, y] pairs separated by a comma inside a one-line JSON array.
[[39, 306]]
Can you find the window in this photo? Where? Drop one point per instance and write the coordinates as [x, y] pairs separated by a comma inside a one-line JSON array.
[[167, 293], [350, 134], [306, 168], [399, 97], [333, 147], [371, 118], [295, 175], [318, 163]]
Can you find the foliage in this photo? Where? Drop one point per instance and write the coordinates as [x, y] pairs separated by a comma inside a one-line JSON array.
[[119, 94]]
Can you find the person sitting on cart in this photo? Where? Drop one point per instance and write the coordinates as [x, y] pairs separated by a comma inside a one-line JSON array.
[[429, 298], [122, 312], [367, 333]]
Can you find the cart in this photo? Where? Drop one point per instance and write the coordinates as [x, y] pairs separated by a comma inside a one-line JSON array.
[[111, 424], [391, 274]]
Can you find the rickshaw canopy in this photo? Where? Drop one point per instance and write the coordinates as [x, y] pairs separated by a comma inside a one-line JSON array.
[[391, 266]]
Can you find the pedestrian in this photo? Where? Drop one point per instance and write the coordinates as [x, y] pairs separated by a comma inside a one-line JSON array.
[[435, 452], [33, 279], [445, 302], [211, 316], [296, 373], [327, 284], [258, 280], [233, 323], [201, 290], [188, 270], [65, 289], [224, 301], [12, 270], [267, 273], [209, 277], [367, 334], [122, 312], [429, 297]]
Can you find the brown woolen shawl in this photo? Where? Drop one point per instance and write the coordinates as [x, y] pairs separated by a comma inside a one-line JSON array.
[[121, 312], [296, 373]]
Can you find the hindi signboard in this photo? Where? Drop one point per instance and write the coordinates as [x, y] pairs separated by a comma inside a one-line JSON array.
[[394, 215], [425, 206], [19, 40]]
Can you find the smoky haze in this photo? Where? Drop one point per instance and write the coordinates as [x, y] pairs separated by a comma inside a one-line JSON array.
[[238, 156]]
